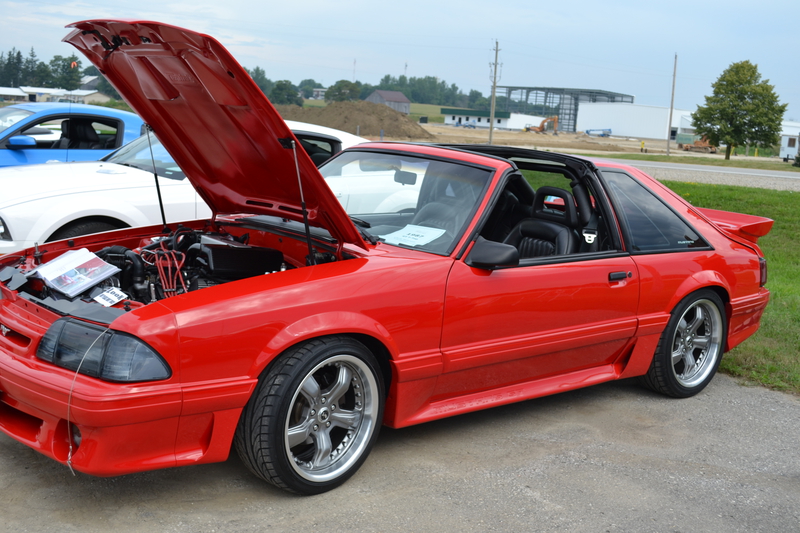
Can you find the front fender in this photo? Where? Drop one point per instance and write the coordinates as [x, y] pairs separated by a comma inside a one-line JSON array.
[[319, 325], [54, 214]]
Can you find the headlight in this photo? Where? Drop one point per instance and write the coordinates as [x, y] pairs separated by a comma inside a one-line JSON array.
[[94, 351], [5, 235]]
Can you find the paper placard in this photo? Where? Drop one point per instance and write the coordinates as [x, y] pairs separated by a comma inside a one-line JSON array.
[[413, 235], [111, 296], [74, 272]]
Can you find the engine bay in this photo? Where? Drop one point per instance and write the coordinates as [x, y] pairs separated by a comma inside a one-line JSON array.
[[143, 270]]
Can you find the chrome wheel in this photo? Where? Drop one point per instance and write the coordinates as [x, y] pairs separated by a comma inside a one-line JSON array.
[[331, 418], [314, 415], [690, 347], [697, 343]]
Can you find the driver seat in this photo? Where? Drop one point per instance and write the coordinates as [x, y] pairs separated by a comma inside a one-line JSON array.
[[550, 231]]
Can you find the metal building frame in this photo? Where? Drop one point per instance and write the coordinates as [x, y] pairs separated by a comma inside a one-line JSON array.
[[549, 101]]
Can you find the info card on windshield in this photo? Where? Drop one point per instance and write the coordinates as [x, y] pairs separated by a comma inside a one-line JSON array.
[[413, 235]]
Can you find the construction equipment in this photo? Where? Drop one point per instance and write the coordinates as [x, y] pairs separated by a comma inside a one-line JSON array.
[[541, 127], [695, 143]]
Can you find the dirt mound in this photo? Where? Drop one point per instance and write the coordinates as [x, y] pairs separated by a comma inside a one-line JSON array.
[[366, 118]]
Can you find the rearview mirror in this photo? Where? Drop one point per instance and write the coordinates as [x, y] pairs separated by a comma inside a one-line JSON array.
[[405, 178]]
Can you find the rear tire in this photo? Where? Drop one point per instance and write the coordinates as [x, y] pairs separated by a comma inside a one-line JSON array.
[[691, 346], [314, 416], [77, 229]]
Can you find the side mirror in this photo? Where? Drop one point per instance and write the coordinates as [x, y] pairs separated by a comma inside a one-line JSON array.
[[20, 142], [405, 178], [490, 255]]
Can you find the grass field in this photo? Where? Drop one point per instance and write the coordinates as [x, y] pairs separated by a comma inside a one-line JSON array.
[[771, 357], [433, 112], [314, 103]]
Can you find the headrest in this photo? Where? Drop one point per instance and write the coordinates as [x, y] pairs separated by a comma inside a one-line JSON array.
[[568, 217]]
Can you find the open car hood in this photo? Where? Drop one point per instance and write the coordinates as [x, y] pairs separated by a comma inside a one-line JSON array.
[[213, 119]]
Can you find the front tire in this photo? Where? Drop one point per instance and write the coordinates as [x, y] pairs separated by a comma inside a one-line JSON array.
[[691, 346], [314, 416]]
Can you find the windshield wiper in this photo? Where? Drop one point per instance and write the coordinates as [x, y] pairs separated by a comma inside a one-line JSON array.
[[360, 225], [360, 222]]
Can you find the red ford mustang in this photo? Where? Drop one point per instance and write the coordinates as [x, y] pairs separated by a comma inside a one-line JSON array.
[[398, 284]]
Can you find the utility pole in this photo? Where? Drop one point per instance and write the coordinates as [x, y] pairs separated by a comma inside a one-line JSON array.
[[672, 103], [494, 90], [354, 71]]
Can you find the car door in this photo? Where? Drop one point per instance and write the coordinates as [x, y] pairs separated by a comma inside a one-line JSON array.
[[548, 316], [520, 324], [42, 136]]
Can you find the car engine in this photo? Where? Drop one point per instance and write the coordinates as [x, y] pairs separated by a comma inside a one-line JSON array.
[[185, 261]]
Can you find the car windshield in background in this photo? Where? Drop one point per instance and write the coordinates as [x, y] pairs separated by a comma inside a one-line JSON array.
[[136, 154], [407, 201], [11, 115]]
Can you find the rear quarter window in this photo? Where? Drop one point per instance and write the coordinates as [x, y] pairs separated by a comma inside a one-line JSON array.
[[650, 225]]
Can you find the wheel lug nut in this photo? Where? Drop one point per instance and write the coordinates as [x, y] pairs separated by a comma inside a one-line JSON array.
[[323, 400], [328, 424], [313, 412], [316, 427]]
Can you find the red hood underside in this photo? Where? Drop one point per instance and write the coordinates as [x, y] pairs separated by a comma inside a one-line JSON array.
[[213, 119]]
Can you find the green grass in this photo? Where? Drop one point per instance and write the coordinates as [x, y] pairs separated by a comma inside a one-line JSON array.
[[771, 357], [433, 112], [760, 163], [314, 103]]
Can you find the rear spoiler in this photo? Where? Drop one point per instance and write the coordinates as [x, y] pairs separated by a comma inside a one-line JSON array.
[[748, 227]]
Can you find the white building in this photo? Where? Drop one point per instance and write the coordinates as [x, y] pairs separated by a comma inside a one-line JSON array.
[[633, 120], [13, 94], [480, 119]]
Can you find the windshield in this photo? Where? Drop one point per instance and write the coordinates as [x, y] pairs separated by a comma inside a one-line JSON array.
[[407, 201], [11, 115], [136, 154]]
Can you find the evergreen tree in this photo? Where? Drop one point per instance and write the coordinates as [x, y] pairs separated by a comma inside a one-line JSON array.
[[66, 72]]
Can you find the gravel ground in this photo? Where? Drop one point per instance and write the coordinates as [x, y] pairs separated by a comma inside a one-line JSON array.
[[610, 458]]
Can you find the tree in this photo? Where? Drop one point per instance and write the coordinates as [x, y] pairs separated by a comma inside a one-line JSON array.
[[742, 109], [11, 75], [342, 91], [65, 75], [307, 87], [261, 79], [285, 93]]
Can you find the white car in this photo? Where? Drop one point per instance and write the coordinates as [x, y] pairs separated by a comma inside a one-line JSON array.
[[54, 201]]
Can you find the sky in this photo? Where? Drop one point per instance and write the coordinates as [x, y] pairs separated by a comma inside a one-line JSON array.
[[622, 46]]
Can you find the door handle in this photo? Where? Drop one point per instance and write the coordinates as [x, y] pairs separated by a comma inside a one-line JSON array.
[[619, 276]]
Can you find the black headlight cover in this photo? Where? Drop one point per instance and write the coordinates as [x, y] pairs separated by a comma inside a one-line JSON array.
[[5, 235], [95, 351]]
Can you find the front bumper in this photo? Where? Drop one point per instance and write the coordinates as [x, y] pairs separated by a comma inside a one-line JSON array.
[[123, 428]]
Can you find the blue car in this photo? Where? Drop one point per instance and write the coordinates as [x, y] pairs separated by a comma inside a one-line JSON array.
[[46, 132]]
